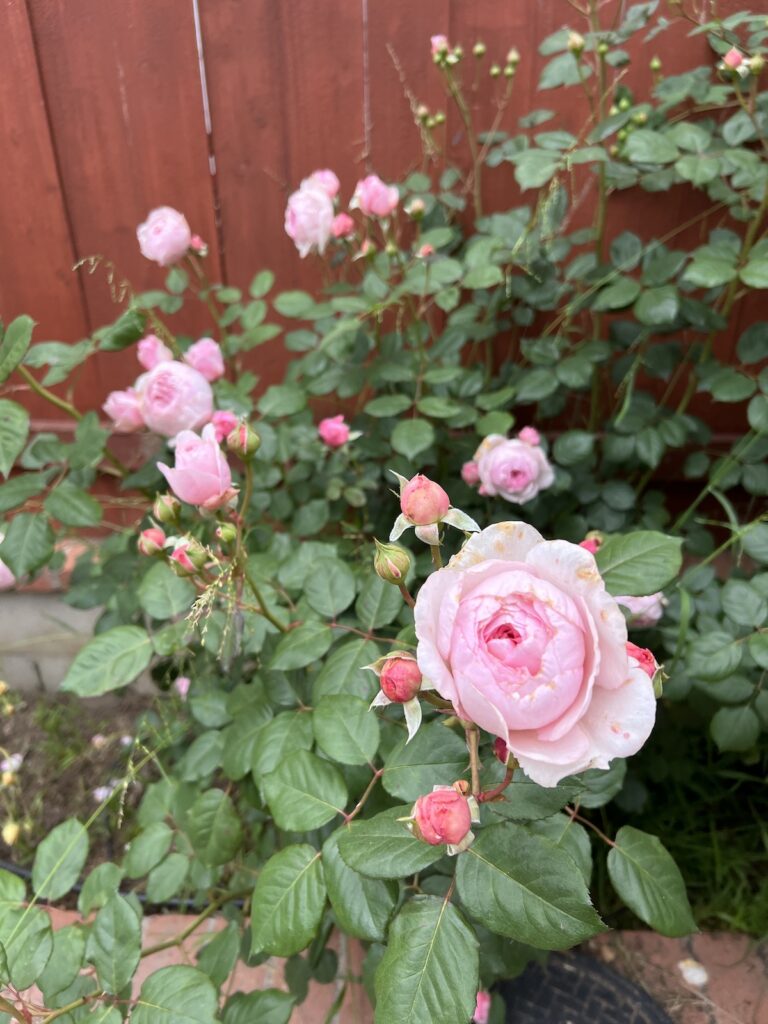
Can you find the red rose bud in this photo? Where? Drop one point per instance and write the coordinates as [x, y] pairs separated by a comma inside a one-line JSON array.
[[151, 541], [501, 750], [592, 542], [391, 562], [166, 508], [243, 441], [423, 501], [400, 679], [442, 817], [644, 658]]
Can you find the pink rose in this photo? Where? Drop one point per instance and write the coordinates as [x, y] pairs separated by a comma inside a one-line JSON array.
[[423, 501], [342, 226], [373, 198], [590, 544], [164, 237], [424, 251], [512, 469], [309, 218], [438, 44], [201, 474], [333, 431], [174, 397], [400, 679], [482, 1007], [442, 816], [151, 541], [733, 58], [199, 246], [644, 658], [224, 422], [644, 612], [150, 351], [530, 435], [205, 357], [522, 637], [326, 180], [469, 473], [181, 685], [124, 410], [7, 579]]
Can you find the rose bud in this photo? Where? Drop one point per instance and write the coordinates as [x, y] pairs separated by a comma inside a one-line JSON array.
[[224, 422], [576, 43], [181, 685], [198, 245], [164, 237], [470, 473], [400, 678], [733, 58], [243, 441], [501, 750], [226, 532], [478, 50], [124, 409], [513, 57], [375, 198], [151, 541], [333, 431], [482, 1007], [205, 356], [423, 501], [391, 562], [592, 542], [166, 508], [644, 658], [10, 833], [438, 44], [188, 556], [530, 435], [342, 226], [415, 208], [425, 251], [444, 816], [150, 351]]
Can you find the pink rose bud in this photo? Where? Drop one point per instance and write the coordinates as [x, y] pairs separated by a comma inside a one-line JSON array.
[[181, 562], [224, 422], [227, 533], [309, 217], [366, 249], [530, 435], [166, 508], [374, 198], [173, 397], [151, 351], [243, 441], [400, 679], [733, 58], [201, 474], [425, 250], [482, 1007], [423, 501], [124, 410], [342, 226], [501, 750], [591, 544], [469, 473], [442, 816], [198, 245], [151, 541], [439, 44], [391, 562], [415, 209], [327, 181], [7, 579], [333, 431], [181, 685], [164, 237], [644, 658], [205, 357]]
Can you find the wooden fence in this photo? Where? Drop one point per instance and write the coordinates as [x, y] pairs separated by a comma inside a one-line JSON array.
[[219, 107]]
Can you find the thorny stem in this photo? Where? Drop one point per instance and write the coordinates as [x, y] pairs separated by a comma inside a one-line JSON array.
[[466, 117], [491, 794], [473, 742], [263, 609]]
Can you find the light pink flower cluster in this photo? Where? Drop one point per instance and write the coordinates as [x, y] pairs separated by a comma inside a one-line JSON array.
[[201, 475], [164, 237], [522, 637], [171, 396], [515, 469]]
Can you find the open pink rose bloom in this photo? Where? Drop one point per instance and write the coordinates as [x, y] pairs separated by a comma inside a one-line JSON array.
[[520, 634], [201, 475]]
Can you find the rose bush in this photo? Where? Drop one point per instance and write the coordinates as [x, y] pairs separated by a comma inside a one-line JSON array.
[[293, 742]]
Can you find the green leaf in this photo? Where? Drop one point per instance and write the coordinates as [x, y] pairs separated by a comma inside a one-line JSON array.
[[383, 847], [573, 446], [218, 957], [563, 70], [213, 828], [753, 343], [524, 800], [480, 277], [114, 944], [744, 604], [287, 902], [73, 506], [536, 384], [699, 170], [362, 906], [242, 737], [620, 293], [647, 879], [710, 271], [434, 757], [411, 437], [657, 306], [641, 563], [728, 385], [162, 594], [14, 344], [302, 646], [109, 661], [148, 849], [261, 284], [294, 304], [438, 408], [755, 274], [65, 962], [25, 934], [520, 885], [330, 587], [714, 656], [14, 429], [176, 995], [388, 405], [378, 603], [757, 416], [168, 878], [645, 146], [279, 739], [20, 488], [59, 859], [345, 729], [269, 1006], [282, 400], [127, 329], [735, 728], [304, 792], [28, 543], [534, 168], [429, 971], [101, 884], [343, 669]]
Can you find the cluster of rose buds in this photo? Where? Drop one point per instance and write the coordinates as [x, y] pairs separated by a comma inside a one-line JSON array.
[[515, 469]]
